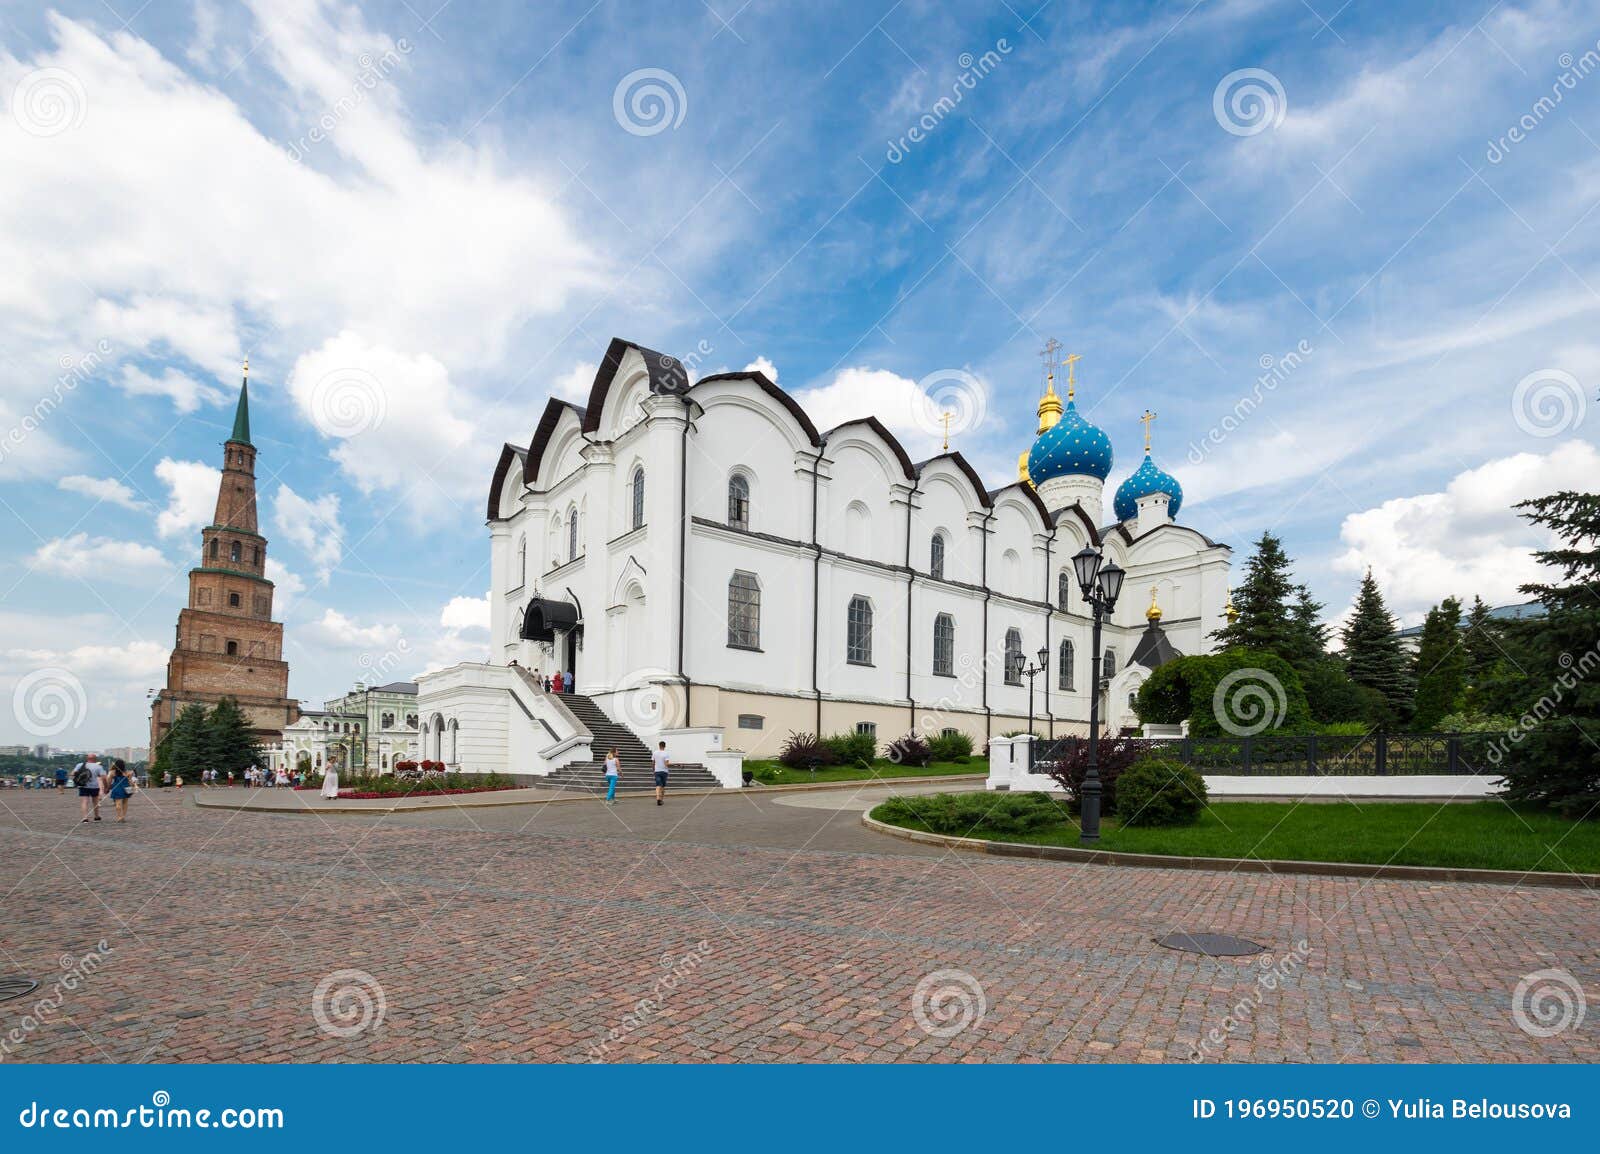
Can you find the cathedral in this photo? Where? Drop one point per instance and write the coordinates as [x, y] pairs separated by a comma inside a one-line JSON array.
[[713, 570], [227, 644]]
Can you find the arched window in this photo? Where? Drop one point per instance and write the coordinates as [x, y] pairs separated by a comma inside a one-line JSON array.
[[522, 563], [858, 632], [235, 553], [255, 554], [1108, 665], [936, 556], [233, 601], [215, 545], [455, 743], [572, 535], [1013, 657], [1065, 662], [233, 649], [638, 497], [944, 645], [1063, 588], [739, 501], [744, 611]]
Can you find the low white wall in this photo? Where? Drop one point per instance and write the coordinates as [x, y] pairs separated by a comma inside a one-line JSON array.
[[1391, 786], [727, 766], [690, 746]]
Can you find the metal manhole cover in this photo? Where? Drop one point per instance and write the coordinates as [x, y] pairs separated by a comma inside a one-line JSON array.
[[15, 987], [1211, 945]]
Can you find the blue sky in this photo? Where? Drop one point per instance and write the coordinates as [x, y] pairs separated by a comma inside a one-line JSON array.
[[418, 229]]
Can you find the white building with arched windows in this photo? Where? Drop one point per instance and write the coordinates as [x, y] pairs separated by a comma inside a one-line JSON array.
[[714, 569]]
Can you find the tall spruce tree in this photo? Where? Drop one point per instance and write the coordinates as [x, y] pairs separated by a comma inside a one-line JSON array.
[[230, 742], [183, 752], [1373, 655], [1262, 599], [1441, 666], [1485, 639], [1557, 760], [1308, 635]]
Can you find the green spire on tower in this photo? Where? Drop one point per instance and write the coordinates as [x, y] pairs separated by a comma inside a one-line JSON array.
[[241, 416]]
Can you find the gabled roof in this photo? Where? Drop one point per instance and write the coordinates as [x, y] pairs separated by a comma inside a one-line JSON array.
[[541, 436], [773, 391], [667, 375], [509, 454], [1076, 510], [889, 438], [961, 463], [1031, 493]]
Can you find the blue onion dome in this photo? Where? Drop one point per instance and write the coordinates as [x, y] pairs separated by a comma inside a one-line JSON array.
[[1070, 447], [1147, 479]]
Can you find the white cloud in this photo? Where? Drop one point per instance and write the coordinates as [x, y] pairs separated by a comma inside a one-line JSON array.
[[186, 393], [393, 418], [107, 489], [1466, 540], [466, 613], [764, 366], [192, 488], [313, 526], [336, 631], [99, 559], [908, 409], [575, 383], [289, 587]]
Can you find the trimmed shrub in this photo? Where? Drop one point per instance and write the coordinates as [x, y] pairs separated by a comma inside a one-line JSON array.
[[1236, 692], [851, 748], [909, 750], [804, 751], [1477, 723], [1116, 755], [955, 746], [1153, 791], [975, 814]]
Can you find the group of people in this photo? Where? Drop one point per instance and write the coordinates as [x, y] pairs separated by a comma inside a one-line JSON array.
[[561, 681], [95, 781], [659, 765]]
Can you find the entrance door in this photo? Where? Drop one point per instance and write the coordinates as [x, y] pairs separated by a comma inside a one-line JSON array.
[[570, 658]]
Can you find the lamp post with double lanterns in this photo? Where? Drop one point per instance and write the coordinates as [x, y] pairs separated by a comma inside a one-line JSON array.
[[1020, 668], [1101, 584]]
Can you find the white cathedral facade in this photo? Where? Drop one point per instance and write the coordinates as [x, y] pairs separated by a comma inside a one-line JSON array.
[[716, 571]]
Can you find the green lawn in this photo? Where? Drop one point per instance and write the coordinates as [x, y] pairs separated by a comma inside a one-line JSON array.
[[1472, 835], [771, 773]]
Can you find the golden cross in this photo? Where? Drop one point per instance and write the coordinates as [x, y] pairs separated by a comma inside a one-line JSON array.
[[247, 368], [1147, 418], [1051, 346], [1071, 360], [946, 418]]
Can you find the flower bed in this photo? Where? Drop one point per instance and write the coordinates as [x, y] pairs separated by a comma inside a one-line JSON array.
[[364, 788], [420, 791]]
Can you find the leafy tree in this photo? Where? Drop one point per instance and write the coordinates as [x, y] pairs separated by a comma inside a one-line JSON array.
[[230, 741], [1441, 666], [1238, 691], [1332, 696], [1372, 653], [1557, 761], [1262, 599]]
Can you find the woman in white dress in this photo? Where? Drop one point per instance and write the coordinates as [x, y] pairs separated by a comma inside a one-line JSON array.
[[330, 783]]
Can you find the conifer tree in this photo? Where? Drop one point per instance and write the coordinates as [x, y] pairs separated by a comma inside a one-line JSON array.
[[1441, 666], [1262, 599], [1372, 653], [230, 741], [183, 751], [1553, 756], [1308, 635]]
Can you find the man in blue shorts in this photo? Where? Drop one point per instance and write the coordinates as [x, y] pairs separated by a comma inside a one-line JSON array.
[[659, 761], [87, 777]]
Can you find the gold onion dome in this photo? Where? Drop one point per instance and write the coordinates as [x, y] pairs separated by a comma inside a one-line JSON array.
[[1153, 614]]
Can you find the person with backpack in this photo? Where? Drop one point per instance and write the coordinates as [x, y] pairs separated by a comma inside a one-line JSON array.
[[613, 769], [661, 765], [87, 777], [121, 788]]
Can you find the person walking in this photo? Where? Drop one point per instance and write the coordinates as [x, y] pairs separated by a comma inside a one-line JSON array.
[[88, 777], [613, 769], [659, 762], [558, 684], [121, 788]]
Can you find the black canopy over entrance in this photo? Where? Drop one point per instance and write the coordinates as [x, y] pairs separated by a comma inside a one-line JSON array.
[[543, 618]]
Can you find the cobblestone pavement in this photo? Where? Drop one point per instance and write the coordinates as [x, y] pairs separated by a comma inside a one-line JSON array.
[[729, 928]]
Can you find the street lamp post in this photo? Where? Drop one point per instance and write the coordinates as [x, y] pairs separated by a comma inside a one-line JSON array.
[[1101, 585], [1019, 666]]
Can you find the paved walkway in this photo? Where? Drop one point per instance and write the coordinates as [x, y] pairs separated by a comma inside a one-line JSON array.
[[743, 927]]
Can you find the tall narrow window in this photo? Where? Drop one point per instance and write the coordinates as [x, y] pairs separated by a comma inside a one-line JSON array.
[[638, 497], [235, 552], [255, 554], [936, 556], [572, 535], [858, 637], [1065, 662], [1108, 665], [739, 501], [944, 645], [744, 611], [522, 563], [215, 545], [1013, 657], [1063, 589]]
